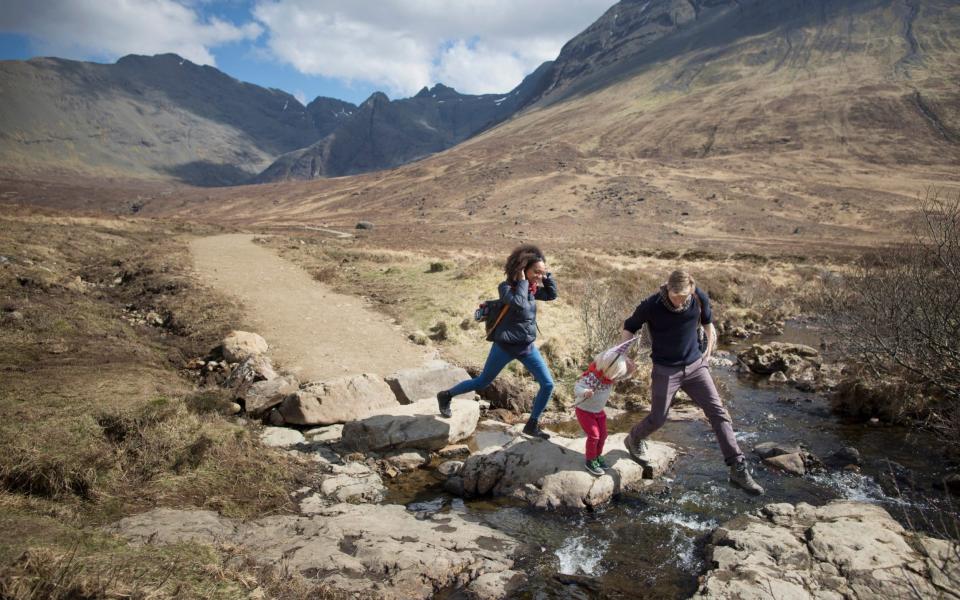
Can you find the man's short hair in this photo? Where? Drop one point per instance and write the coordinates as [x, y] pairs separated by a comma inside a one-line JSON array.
[[680, 282]]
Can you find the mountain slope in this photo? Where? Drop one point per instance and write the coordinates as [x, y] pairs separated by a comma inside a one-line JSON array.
[[804, 122], [146, 116]]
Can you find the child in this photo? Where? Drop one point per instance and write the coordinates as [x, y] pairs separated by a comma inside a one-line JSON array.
[[592, 390]]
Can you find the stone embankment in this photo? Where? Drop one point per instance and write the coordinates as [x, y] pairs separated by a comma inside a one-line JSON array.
[[841, 551]]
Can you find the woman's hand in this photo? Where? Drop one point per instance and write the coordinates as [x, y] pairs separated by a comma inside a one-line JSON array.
[[588, 394]]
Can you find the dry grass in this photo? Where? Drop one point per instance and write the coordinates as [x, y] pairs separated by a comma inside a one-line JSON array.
[[98, 418]]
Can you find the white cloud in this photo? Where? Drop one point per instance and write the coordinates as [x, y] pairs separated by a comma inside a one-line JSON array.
[[113, 28], [300, 96], [476, 46]]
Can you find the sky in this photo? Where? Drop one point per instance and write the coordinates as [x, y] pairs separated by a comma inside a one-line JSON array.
[[344, 49]]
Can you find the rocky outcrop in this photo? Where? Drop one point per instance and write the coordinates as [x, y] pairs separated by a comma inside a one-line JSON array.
[[796, 364], [380, 550], [338, 401], [353, 482], [241, 345], [417, 425], [844, 550], [421, 383], [550, 473], [253, 369]]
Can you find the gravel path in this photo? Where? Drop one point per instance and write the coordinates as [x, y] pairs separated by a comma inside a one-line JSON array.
[[313, 331]]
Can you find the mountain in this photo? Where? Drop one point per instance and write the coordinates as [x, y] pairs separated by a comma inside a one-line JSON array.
[[146, 116], [382, 133]]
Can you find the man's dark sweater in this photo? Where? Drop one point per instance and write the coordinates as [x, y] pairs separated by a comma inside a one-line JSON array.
[[674, 335]]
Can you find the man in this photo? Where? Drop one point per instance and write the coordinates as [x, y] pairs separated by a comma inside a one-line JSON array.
[[672, 316]]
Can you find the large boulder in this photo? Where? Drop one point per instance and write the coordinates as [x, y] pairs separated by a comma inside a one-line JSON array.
[[261, 396], [338, 401], [420, 383], [363, 550], [416, 425], [844, 550], [550, 473], [240, 345]]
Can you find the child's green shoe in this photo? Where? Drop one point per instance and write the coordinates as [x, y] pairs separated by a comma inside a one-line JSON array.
[[593, 467], [602, 463]]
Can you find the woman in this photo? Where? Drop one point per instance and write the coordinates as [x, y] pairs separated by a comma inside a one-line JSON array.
[[527, 281]]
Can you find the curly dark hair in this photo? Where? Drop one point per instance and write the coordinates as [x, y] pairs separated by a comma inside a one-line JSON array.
[[522, 257]]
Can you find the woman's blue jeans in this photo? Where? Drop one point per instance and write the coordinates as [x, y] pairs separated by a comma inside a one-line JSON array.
[[496, 361]]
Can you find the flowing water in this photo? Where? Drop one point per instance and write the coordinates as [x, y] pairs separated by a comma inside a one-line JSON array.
[[651, 545]]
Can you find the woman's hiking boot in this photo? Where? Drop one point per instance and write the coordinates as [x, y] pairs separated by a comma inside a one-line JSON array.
[[637, 449], [740, 477], [443, 400], [593, 467], [532, 428]]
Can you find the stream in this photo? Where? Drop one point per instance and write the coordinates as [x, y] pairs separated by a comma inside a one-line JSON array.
[[651, 545]]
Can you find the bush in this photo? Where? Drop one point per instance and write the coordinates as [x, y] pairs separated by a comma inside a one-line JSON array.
[[898, 313]]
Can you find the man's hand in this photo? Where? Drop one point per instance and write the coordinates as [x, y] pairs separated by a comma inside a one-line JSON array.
[[588, 394]]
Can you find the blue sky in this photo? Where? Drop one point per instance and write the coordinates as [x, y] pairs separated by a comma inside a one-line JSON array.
[[344, 49]]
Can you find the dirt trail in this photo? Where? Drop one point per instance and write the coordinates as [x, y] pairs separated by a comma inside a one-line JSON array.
[[312, 331]]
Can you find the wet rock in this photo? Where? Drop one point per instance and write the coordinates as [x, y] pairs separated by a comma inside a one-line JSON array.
[[364, 549], [261, 396], [364, 225], [778, 377], [788, 463], [449, 468], [409, 460], [279, 437], [550, 473], [771, 449], [417, 425], [454, 451], [844, 550], [338, 400], [240, 345], [847, 455], [421, 383]]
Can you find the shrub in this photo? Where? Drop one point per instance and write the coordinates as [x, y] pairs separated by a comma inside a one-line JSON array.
[[898, 312]]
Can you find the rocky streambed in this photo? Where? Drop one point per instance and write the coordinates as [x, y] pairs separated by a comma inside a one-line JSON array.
[[412, 506]]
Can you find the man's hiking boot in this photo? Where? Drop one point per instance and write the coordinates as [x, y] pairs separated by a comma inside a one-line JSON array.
[[593, 467], [532, 428], [637, 449], [443, 400], [741, 478], [602, 463]]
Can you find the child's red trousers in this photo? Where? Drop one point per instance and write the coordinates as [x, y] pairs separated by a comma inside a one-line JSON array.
[[595, 426]]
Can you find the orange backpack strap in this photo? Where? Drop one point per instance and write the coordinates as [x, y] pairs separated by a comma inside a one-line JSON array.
[[503, 312]]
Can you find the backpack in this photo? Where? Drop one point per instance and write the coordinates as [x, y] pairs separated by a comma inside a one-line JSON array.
[[491, 312]]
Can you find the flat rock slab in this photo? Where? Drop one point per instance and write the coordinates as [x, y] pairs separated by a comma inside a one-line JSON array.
[[417, 425], [338, 400], [550, 473], [411, 385], [843, 550], [372, 550]]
